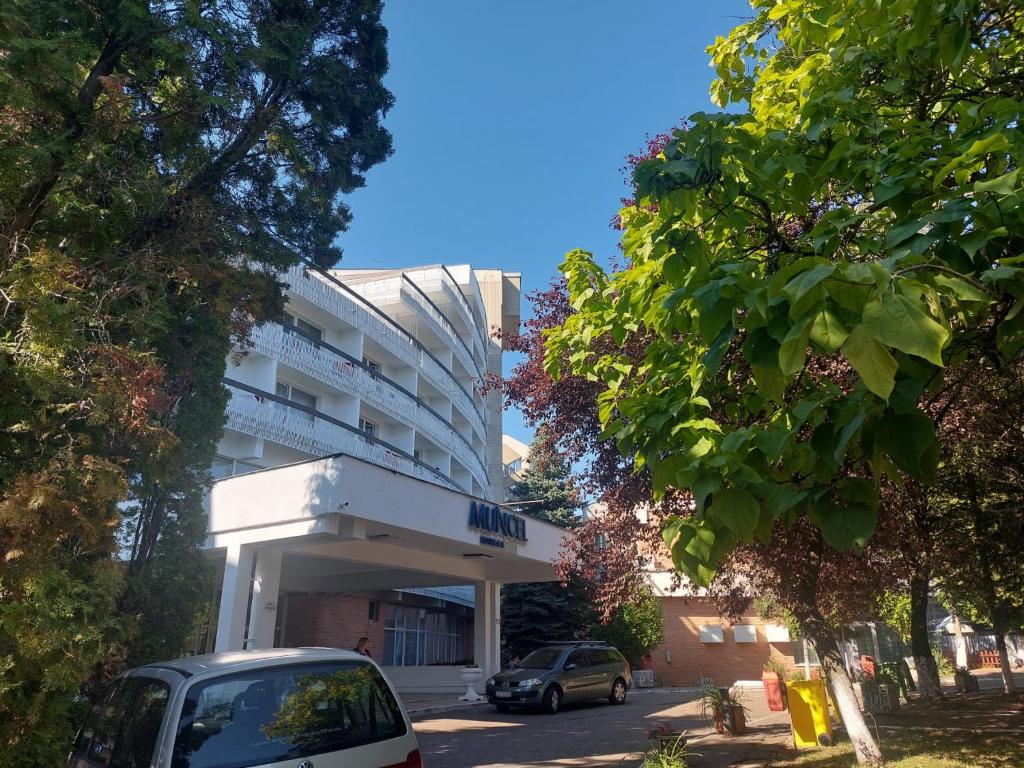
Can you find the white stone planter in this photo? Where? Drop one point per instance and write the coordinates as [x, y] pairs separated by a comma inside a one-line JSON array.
[[470, 676]]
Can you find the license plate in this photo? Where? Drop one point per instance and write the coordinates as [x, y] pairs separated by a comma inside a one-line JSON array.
[[503, 694]]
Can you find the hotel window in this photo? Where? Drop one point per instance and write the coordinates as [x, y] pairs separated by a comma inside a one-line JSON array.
[[307, 332], [297, 396], [371, 365], [418, 636], [367, 427]]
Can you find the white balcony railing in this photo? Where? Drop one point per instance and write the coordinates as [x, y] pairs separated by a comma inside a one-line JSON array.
[[339, 372], [262, 416], [434, 280], [397, 289], [317, 290]]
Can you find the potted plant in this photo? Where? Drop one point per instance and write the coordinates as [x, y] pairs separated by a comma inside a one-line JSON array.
[[667, 749], [965, 681], [724, 709], [470, 675], [773, 678], [882, 693]]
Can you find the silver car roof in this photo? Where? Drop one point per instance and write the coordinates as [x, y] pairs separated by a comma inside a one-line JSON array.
[[232, 661]]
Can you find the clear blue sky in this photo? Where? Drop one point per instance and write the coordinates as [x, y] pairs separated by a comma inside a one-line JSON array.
[[511, 124]]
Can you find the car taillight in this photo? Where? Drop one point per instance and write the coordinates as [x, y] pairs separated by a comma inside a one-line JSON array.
[[413, 760]]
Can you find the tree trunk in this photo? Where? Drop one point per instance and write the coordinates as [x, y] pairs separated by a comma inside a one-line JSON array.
[[961, 643], [1009, 686], [838, 679], [920, 647]]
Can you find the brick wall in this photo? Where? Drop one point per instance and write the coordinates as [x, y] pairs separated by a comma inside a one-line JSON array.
[[335, 621], [725, 662]]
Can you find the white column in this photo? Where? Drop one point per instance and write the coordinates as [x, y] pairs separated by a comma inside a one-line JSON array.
[[486, 628], [263, 608], [234, 598]]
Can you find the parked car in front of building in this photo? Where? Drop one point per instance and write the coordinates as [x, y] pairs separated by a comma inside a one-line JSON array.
[[250, 709], [560, 673]]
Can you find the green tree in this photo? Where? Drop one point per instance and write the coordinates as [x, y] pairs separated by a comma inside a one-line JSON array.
[[546, 489], [976, 508], [638, 626], [160, 164], [804, 270], [533, 613]]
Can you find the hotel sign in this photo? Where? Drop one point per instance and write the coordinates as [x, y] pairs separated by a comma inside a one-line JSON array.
[[490, 519]]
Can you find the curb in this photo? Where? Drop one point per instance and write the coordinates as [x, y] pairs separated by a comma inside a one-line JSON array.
[[455, 706]]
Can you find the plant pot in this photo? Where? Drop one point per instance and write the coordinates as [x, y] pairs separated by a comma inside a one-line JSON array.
[[737, 721], [470, 676], [774, 691], [966, 683], [719, 720], [880, 698]]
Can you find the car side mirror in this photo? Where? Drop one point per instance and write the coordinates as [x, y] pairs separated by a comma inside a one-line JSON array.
[[570, 667]]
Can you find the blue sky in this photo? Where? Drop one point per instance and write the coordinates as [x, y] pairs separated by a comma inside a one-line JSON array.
[[511, 124]]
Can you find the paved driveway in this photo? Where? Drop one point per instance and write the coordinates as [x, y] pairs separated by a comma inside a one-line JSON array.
[[596, 734]]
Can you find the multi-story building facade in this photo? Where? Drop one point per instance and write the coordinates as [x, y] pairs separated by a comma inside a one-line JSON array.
[[385, 365], [360, 471]]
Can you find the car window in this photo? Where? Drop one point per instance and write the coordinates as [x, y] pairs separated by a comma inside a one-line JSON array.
[[543, 658], [599, 656], [579, 658], [121, 731], [283, 713]]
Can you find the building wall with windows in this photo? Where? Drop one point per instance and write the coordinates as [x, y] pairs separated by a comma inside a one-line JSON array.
[[384, 365], [701, 645], [387, 366]]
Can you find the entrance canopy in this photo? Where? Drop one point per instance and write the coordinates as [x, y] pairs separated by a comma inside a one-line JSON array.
[[340, 524]]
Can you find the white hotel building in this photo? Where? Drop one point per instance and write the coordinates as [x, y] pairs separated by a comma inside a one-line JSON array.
[[358, 436]]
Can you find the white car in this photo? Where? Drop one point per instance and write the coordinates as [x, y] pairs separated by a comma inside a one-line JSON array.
[[283, 708]]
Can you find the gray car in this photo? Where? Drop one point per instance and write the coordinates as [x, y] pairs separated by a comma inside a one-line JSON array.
[[560, 673]]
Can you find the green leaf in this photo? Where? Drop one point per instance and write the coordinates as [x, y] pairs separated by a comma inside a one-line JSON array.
[[828, 332], [844, 526], [1003, 185], [738, 510], [793, 351], [909, 440], [874, 363], [900, 323]]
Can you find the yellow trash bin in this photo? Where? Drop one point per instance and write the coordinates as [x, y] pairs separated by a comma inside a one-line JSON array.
[[808, 711]]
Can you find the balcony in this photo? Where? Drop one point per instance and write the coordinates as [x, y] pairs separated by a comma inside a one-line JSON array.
[[338, 370], [335, 298], [399, 289], [268, 417], [434, 280]]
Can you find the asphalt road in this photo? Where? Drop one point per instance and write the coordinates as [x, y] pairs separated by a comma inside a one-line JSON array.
[[594, 734]]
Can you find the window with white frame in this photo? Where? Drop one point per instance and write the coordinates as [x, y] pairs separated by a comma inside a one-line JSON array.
[[744, 633], [297, 396], [371, 365], [367, 427], [419, 636], [710, 633]]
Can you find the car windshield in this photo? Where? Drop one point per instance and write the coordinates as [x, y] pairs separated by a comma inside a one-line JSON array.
[[545, 658]]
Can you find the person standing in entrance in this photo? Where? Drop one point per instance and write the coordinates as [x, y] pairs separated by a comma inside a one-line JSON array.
[[363, 647]]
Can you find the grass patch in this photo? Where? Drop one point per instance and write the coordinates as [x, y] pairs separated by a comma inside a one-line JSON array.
[[919, 749]]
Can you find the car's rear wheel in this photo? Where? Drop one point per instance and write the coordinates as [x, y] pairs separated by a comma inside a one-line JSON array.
[[552, 701], [618, 694]]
